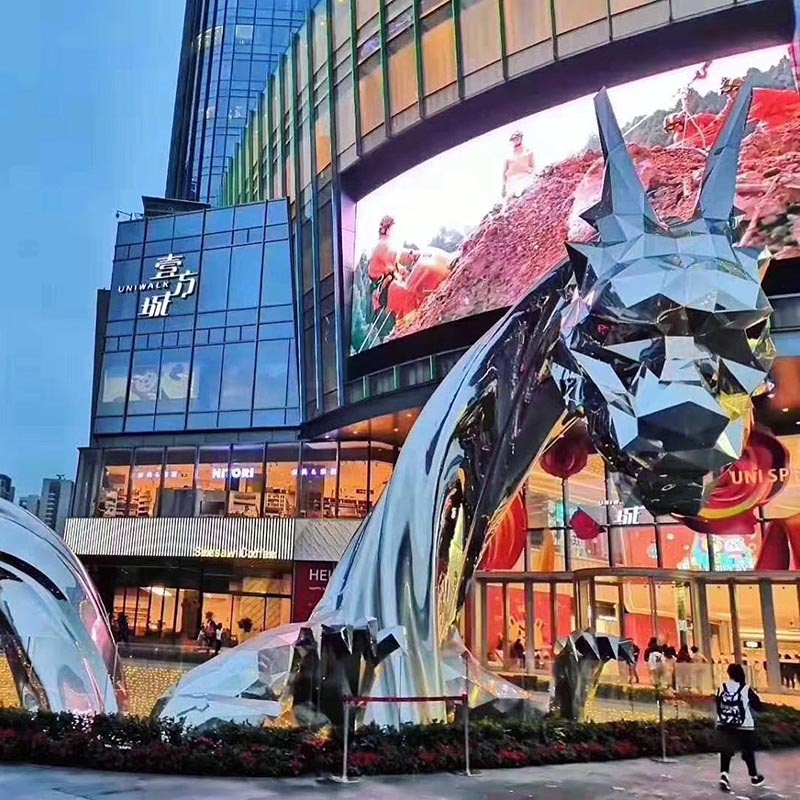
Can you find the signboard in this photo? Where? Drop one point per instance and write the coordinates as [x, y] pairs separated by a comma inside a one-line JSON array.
[[310, 581], [172, 282]]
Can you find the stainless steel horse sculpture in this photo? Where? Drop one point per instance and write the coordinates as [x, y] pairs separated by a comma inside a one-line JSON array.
[[657, 335]]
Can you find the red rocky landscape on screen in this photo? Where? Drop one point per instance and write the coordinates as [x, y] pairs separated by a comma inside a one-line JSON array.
[[516, 246]]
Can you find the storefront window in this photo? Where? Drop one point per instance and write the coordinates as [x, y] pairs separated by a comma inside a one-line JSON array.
[[381, 467], [246, 481], [318, 475], [212, 474], [683, 548], [145, 482], [353, 468], [633, 546], [178, 496], [546, 549], [112, 500], [280, 495], [220, 609]]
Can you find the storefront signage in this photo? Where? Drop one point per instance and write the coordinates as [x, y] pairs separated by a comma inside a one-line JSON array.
[[239, 552], [310, 581], [314, 471], [756, 476], [629, 516], [220, 473], [172, 280]]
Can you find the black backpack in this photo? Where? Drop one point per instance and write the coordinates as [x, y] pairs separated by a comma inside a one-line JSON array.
[[730, 709]]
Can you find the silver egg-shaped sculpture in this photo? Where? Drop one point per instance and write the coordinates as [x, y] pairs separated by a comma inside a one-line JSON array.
[[54, 632]]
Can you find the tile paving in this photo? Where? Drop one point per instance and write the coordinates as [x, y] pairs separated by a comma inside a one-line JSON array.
[[688, 779]]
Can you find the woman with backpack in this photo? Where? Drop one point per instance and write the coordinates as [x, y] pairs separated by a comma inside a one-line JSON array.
[[736, 702]]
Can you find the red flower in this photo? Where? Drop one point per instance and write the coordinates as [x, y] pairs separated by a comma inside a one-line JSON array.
[[568, 454]]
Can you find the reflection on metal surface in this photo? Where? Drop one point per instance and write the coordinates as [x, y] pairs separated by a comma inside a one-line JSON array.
[[53, 629], [578, 667], [658, 335]]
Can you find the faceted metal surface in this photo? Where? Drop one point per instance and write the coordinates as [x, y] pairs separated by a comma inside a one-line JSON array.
[[658, 335], [54, 632], [666, 337], [578, 666]]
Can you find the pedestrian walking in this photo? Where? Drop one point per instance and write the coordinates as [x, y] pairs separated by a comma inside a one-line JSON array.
[[736, 702]]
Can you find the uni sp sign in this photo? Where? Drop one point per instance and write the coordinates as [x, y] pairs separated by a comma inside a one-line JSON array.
[[173, 282]]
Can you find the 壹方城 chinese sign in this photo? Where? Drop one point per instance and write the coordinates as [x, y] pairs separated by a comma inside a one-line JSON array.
[[173, 282]]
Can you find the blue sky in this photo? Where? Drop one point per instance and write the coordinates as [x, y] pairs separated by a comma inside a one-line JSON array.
[[86, 97]]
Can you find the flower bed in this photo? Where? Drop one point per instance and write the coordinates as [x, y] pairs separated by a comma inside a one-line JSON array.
[[144, 745]]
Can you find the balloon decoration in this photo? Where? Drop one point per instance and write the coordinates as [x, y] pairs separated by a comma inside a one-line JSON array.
[[568, 454], [754, 479], [509, 538], [584, 526]]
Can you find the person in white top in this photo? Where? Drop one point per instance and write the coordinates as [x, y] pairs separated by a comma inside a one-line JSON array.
[[736, 702]]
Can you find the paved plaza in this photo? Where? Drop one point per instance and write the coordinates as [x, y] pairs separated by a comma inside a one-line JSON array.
[[688, 779]]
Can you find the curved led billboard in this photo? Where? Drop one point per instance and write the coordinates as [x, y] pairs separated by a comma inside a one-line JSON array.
[[471, 229]]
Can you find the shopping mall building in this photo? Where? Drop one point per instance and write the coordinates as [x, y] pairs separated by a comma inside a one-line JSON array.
[[411, 168]]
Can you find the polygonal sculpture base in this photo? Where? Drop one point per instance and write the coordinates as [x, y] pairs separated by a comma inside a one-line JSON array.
[[299, 674], [578, 668]]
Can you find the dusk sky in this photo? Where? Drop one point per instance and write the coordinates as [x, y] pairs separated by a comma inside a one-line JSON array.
[[85, 120]]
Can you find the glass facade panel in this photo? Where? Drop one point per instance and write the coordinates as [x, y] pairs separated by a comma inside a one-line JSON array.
[[206, 376], [527, 22], [480, 33], [173, 386], [113, 384], [402, 73], [571, 15], [143, 388], [370, 83], [438, 51], [271, 373], [238, 367], [245, 276], [214, 275]]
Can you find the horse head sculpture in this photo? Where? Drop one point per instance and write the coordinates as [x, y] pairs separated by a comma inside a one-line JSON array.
[[665, 337]]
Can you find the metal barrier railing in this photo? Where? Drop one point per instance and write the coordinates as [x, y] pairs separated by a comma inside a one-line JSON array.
[[362, 702]]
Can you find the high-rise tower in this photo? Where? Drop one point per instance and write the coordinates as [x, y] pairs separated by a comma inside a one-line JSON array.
[[229, 48]]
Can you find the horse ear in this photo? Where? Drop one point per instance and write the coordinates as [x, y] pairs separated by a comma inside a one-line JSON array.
[[718, 187], [623, 193]]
